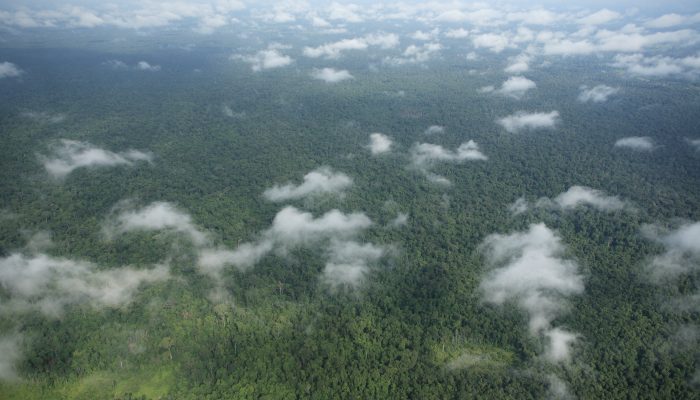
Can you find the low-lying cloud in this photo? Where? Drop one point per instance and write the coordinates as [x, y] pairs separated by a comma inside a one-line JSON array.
[[336, 49], [44, 117], [156, 216], [596, 94], [434, 129], [49, 284], [524, 121], [574, 197], [320, 181], [70, 155], [331, 75], [348, 260], [9, 70], [425, 154], [139, 66], [682, 250], [265, 59], [530, 269], [379, 143], [637, 143], [515, 87]]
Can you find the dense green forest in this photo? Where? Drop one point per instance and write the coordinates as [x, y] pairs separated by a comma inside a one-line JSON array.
[[101, 300]]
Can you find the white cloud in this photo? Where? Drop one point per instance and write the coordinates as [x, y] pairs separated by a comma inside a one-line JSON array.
[[518, 64], [116, 64], [671, 20], [528, 268], [519, 206], [9, 355], [574, 197], [638, 143], [9, 70], [335, 49], [581, 195], [154, 217], [42, 116], [516, 87], [433, 129], [534, 17], [349, 262], [317, 182], [425, 36], [290, 228], [457, 33], [400, 220], [596, 94], [144, 66], [529, 121], [558, 389], [344, 12], [416, 54], [658, 66], [265, 59], [379, 143], [695, 143], [71, 155], [139, 66], [47, 284], [559, 347], [630, 39], [478, 17], [600, 17], [331, 75], [425, 154], [682, 250], [492, 41]]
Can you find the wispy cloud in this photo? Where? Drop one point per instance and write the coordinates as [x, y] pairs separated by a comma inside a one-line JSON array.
[[335, 50], [48, 284], [600, 17], [426, 154], [574, 197], [682, 250], [529, 269], [671, 20], [156, 216], [415, 54], [596, 94], [45, 117], [459, 33], [265, 59], [9, 70], [433, 129], [379, 143], [139, 66], [515, 87], [523, 121], [658, 66], [331, 75], [291, 228], [145, 66], [518, 64], [70, 155], [320, 181], [495, 42], [10, 354], [638, 143]]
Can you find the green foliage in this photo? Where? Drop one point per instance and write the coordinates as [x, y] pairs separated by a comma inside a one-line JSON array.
[[417, 328]]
